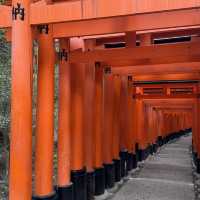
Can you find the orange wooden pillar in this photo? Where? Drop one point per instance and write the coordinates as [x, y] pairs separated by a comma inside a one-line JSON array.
[[65, 187], [130, 39], [150, 129], [141, 138], [130, 142], [145, 39], [135, 121], [108, 129], [116, 119], [45, 116], [116, 126], [156, 127], [146, 135], [88, 127], [180, 122], [161, 126], [158, 124], [195, 127], [88, 120], [148, 125], [78, 173], [173, 123], [123, 114], [98, 131], [131, 137], [169, 127], [196, 130], [197, 135], [124, 125], [20, 174]]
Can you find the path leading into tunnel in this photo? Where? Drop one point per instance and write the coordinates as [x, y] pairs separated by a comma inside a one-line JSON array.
[[164, 176]]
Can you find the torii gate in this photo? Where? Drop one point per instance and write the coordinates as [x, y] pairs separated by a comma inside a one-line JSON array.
[[46, 20], [174, 95]]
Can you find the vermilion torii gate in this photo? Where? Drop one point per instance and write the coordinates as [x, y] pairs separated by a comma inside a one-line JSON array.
[[87, 80]]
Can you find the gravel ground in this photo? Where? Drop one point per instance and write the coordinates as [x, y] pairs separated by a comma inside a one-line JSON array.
[[168, 175], [164, 176], [196, 180]]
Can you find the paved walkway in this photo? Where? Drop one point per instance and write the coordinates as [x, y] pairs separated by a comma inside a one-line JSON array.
[[165, 176]]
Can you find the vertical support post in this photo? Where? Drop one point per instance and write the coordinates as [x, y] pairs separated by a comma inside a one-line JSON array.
[[88, 123], [123, 125], [89, 128], [20, 174], [156, 126], [145, 39], [129, 159], [149, 127], [98, 139], [195, 130], [130, 39], [65, 187], [134, 121], [108, 129], [140, 128], [116, 127], [132, 163], [197, 137], [161, 127], [45, 117], [78, 173]]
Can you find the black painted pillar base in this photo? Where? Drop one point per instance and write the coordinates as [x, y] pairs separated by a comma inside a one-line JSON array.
[[134, 161], [49, 197], [164, 141], [188, 130], [147, 152], [129, 161], [182, 132], [117, 163], [90, 185], [141, 155], [109, 175], [151, 149], [79, 180], [99, 181], [123, 156], [198, 165], [137, 151], [194, 155], [160, 141], [155, 148], [65, 192]]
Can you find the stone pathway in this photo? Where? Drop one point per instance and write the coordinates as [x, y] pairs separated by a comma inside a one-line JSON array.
[[164, 176]]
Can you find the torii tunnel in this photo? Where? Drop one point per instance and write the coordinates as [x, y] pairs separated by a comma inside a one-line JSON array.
[[129, 73]]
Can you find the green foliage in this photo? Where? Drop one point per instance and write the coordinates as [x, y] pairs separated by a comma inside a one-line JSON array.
[[5, 70]]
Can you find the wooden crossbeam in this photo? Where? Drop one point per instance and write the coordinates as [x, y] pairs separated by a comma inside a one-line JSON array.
[[158, 69], [137, 22], [147, 55], [167, 77], [167, 101], [174, 108], [67, 20], [120, 37]]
